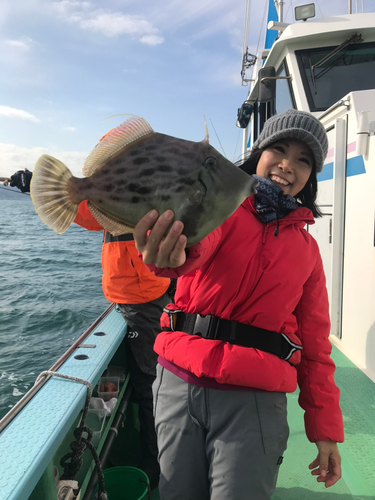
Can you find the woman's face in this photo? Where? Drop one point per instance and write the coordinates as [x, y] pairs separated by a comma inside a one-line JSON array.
[[288, 164]]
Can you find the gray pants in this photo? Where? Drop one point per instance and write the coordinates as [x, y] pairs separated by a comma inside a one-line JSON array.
[[218, 445]]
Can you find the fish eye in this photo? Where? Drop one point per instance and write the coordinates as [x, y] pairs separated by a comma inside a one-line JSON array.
[[210, 161]]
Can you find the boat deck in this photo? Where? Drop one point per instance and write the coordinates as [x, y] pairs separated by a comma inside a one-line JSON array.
[[358, 450]]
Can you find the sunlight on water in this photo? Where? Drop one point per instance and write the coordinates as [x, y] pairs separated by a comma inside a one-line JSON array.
[[50, 294]]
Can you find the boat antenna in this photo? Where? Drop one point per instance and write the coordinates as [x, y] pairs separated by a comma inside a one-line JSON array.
[[246, 28], [279, 4], [248, 59]]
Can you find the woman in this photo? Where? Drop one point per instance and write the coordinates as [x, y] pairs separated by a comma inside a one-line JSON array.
[[251, 317]]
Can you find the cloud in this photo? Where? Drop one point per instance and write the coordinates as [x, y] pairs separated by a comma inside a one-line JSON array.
[[15, 158], [151, 40], [108, 23], [16, 53], [17, 113], [70, 129], [114, 24], [24, 44], [66, 7]]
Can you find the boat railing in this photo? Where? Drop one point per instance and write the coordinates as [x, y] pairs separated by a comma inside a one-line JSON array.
[[39, 384], [338, 104]]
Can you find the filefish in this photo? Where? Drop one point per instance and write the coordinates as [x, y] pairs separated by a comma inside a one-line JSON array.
[[133, 170]]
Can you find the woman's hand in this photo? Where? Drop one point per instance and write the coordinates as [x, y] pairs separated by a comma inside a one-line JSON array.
[[327, 465], [156, 247]]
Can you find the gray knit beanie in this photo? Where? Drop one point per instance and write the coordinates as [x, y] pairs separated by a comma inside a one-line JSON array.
[[297, 125]]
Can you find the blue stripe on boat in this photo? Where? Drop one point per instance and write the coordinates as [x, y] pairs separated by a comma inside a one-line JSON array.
[[354, 166]]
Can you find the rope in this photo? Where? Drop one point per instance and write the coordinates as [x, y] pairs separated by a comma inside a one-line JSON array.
[[218, 138], [79, 446]]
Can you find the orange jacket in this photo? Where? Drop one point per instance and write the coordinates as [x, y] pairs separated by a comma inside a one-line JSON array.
[[125, 280]]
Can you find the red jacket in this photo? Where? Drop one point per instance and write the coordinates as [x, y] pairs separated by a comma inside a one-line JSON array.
[[125, 280], [243, 272]]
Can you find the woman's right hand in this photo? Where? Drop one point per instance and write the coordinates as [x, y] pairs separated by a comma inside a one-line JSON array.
[[156, 247]]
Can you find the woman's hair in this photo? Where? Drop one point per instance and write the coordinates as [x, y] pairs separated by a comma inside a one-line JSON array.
[[306, 197]]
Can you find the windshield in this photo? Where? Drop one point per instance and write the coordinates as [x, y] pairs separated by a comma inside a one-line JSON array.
[[352, 68], [284, 93]]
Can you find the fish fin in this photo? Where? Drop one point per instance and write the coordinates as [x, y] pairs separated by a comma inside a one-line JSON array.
[[50, 195], [207, 138], [108, 222], [117, 139]]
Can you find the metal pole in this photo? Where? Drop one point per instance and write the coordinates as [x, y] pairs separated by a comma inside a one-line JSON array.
[[280, 10], [350, 6], [245, 138]]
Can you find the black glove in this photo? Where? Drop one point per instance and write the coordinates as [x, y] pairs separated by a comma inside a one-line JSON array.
[[21, 180]]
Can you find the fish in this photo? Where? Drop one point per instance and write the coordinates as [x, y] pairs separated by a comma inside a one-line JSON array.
[[132, 170]]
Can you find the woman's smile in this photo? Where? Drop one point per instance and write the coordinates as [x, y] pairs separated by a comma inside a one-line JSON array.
[[279, 180], [288, 164]]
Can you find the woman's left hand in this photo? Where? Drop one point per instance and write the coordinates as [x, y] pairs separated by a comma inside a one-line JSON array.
[[327, 465]]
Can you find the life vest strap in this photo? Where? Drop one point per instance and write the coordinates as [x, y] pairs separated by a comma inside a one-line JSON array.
[[214, 328]]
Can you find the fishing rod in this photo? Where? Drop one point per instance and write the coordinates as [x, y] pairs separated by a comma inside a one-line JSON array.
[[5, 180]]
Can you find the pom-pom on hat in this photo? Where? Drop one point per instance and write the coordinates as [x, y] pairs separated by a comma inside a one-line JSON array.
[[296, 125]]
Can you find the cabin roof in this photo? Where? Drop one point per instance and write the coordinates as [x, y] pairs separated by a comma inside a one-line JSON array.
[[335, 30], [318, 33]]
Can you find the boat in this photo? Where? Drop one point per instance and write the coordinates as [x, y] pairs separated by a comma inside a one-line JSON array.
[[325, 66]]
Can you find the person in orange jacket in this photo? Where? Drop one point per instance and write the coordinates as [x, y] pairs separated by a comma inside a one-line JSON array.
[[140, 297]]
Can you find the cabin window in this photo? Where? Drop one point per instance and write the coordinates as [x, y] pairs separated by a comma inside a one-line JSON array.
[[335, 75], [284, 94]]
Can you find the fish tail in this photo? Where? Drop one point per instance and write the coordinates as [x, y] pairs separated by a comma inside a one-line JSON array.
[[49, 190]]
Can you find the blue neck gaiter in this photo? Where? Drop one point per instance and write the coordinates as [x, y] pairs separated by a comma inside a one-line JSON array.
[[270, 202]]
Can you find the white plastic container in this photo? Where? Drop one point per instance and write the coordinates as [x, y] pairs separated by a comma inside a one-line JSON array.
[[106, 391], [95, 421]]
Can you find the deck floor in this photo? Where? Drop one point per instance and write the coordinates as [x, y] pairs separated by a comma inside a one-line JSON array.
[[358, 452]]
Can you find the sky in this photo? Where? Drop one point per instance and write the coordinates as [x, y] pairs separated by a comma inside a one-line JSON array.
[[67, 66]]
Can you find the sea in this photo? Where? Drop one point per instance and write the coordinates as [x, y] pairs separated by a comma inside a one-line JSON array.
[[50, 293]]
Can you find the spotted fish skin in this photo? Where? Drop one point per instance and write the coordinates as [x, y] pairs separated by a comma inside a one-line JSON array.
[[159, 171]]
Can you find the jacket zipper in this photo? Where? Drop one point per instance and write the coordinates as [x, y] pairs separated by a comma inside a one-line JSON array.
[[265, 233]]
